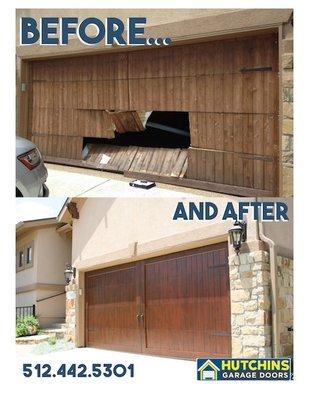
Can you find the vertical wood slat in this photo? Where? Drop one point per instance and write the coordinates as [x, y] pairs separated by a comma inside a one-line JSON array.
[[240, 133], [97, 123], [256, 172], [59, 146], [253, 133]]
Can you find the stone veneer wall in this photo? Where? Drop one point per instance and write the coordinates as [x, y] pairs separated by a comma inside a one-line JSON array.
[[250, 305], [285, 304], [287, 105], [70, 304]]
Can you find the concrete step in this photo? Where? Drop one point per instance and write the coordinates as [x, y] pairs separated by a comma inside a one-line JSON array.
[[44, 335], [35, 339], [58, 325], [58, 332]]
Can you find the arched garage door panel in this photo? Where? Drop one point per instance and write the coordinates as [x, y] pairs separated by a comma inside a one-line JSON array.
[[111, 302], [187, 304]]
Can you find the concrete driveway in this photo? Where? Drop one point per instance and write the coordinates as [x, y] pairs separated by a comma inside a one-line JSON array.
[[65, 181]]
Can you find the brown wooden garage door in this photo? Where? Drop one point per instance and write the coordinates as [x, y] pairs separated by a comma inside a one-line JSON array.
[[176, 305], [228, 87]]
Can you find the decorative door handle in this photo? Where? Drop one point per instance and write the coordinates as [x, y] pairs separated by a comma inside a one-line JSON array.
[[140, 317]]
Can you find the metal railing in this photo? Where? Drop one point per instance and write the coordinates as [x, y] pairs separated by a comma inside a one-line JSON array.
[[50, 297], [25, 311]]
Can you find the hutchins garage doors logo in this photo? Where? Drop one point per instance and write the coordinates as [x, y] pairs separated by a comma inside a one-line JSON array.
[[218, 369]]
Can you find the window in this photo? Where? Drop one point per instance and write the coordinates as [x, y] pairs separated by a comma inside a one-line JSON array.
[[29, 255], [24, 257], [20, 259]]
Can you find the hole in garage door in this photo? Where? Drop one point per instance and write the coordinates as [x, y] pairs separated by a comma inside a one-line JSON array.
[[157, 144]]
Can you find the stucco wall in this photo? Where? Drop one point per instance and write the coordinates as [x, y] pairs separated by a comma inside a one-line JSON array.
[[53, 252], [28, 275], [26, 299], [50, 310], [281, 233], [112, 225], [179, 24], [154, 16]]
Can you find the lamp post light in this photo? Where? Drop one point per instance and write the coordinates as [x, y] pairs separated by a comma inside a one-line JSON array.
[[69, 273], [238, 235]]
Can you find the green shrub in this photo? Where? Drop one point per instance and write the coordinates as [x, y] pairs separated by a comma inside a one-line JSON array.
[[27, 326], [52, 340]]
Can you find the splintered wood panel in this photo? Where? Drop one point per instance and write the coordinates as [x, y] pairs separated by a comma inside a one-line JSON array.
[[110, 157], [156, 161], [111, 309], [187, 305], [159, 161], [59, 146], [126, 121], [177, 305]]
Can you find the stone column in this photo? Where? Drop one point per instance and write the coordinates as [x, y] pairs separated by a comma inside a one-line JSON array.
[[285, 305], [250, 305], [287, 109], [71, 304]]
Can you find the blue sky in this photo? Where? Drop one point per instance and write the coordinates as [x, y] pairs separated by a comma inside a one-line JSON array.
[[38, 208]]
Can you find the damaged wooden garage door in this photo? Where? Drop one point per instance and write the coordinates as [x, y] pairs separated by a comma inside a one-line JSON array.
[[228, 87], [176, 305]]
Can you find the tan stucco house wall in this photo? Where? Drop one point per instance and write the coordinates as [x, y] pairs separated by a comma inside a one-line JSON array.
[[37, 283]]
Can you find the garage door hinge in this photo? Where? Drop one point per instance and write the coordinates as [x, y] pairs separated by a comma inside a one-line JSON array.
[[256, 69]]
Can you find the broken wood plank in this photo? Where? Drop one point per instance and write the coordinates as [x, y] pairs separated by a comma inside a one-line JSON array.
[[126, 121]]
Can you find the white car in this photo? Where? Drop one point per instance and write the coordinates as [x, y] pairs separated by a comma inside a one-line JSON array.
[[31, 173]]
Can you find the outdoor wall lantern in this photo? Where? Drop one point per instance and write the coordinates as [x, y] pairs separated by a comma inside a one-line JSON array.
[[69, 273], [238, 235]]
